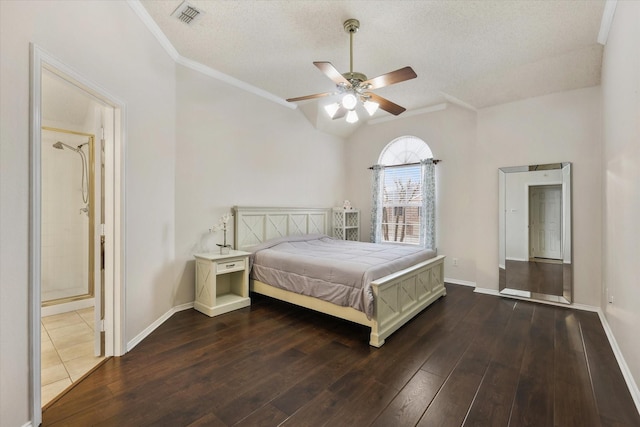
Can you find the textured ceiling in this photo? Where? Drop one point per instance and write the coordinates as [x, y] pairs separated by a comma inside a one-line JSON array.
[[475, 53]]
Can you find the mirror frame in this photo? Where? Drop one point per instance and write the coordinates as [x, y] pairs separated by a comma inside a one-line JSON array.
[[566, 234]]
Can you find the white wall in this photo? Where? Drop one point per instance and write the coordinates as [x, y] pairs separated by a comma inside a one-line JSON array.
[[106, 43], [621, 180], [450, 134], [561, 127], [234, 148]]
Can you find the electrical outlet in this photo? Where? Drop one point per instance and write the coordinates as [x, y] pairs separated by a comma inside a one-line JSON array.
[[454, 262], [610, 299]]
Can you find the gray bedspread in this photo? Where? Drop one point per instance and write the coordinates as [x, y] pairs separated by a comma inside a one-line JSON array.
[[334, 270]]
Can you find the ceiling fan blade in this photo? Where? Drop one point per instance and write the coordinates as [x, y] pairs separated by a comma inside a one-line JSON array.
[[331, 72], [396, 76], [385, 104], [302, 98]]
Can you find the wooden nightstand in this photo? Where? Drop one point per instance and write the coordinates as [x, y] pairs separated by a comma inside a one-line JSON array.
[[222, 282]]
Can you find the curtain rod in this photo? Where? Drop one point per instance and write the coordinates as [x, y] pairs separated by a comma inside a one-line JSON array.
[[435, 162]]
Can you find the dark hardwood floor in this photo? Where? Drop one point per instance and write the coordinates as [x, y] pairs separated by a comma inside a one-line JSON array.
[[536, 276], [469, 359]]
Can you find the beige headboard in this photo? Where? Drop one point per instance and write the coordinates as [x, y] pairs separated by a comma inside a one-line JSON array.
[[254, 225]]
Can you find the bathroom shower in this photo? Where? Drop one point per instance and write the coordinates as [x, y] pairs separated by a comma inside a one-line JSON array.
[[84, 184], [68, 240]]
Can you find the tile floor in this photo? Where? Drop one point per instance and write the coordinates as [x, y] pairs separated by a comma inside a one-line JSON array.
[[67, 350]]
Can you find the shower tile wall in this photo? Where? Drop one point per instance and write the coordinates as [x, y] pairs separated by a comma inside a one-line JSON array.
[[64, 226]]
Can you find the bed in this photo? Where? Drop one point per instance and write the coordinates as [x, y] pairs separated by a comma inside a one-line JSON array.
[[391, 295]]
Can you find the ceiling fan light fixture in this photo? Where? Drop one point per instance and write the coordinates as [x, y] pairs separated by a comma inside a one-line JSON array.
[[352, 86], [371, 107], [352, 117], [349, 102], [332, 109]]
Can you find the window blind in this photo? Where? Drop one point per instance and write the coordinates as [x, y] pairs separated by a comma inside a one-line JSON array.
[[402, 195]]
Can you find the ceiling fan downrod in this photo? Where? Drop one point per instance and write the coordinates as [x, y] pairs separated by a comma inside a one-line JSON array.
[[352, 26]]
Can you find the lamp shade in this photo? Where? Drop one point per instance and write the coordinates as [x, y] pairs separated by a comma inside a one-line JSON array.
[[371, 107], [332, 109]]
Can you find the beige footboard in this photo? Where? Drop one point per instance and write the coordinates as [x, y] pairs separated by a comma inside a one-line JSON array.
[[402, 295], [398, 298]]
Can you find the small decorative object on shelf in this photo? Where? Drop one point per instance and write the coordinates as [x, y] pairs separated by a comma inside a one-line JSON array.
[[347, 205], [222, 225]]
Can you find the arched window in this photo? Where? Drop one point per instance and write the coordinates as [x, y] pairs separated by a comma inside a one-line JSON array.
[[404, 194], [403, 150]]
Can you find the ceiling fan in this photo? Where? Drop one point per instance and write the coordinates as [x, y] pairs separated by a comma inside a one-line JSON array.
[[356, 86]]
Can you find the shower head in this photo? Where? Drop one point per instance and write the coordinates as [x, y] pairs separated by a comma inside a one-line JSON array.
[[61, 145]]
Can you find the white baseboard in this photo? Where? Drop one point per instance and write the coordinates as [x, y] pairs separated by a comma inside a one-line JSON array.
[[487, 291], [66, 307], [142, 335], [584, 307], [459, 282], [626, 373], [27, 424]]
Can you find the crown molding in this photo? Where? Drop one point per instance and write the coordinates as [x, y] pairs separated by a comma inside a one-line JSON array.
[[458, 102], [151, 25], [197, 66], [607, 19], [409, 113]]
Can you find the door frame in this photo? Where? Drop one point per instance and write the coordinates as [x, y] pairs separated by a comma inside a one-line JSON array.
[[527, 210], [545, 188], [114, 215]]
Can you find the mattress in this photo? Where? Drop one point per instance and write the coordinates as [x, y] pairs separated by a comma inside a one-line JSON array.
[[337, 271]]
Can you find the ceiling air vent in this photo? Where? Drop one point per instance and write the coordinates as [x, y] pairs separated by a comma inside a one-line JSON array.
[[187, 13]]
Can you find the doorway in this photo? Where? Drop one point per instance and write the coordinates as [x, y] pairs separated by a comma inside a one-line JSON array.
[[75, 221], [71, 206], [545, 222]]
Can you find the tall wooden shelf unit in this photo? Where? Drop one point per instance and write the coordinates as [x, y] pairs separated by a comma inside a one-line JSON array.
[[346, 224]]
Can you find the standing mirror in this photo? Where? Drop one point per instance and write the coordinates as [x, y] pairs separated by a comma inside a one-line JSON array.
[[535, 232]]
